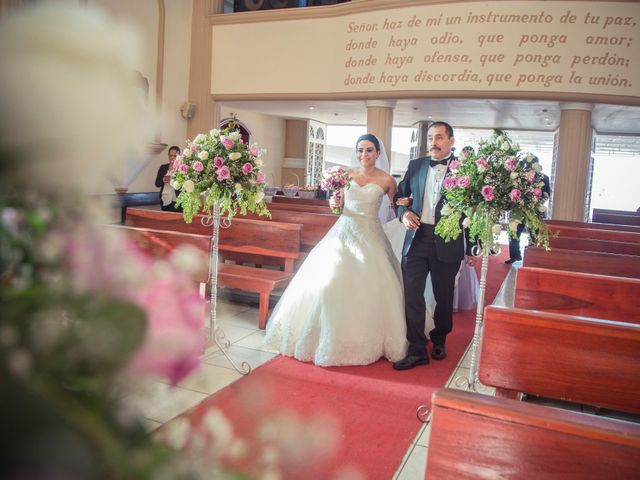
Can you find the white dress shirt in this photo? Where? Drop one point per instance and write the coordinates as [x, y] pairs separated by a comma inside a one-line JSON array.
[[432, 192]]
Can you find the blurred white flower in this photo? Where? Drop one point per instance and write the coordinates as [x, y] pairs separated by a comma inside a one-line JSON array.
[[259, 197], [542, 208], [203, 155], [537, 167], [496, 229], [234, 156], [69, 79], [446, 209], [199, 138], [189, 186], [186, 153], [177, 432], [466, 222], [235, 135]]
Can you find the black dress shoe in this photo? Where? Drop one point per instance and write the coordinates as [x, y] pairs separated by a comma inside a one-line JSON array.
[[411, 361], [438, 352], [511, 260]]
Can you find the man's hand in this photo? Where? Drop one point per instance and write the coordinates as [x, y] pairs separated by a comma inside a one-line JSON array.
[[410, 220]]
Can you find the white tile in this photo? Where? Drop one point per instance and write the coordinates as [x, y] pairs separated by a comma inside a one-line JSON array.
[[415, 466], [233, 333], [208, 379], [423, 438], [253, 341], [162, 402], [254, 358], [247, 318]]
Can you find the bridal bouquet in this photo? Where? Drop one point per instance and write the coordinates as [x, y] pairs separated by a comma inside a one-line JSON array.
[[220, 167], [499, 187], [335, 179]]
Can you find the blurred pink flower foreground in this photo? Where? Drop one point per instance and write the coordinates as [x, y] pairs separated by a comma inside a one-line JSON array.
[[110, 264]]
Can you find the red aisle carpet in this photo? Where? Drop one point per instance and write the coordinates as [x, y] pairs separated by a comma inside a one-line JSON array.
[[374, 406]]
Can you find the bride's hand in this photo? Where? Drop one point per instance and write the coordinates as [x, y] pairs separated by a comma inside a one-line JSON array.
[[404, 202]]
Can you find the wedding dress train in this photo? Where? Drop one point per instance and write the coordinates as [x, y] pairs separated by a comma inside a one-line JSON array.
[[345, 304]]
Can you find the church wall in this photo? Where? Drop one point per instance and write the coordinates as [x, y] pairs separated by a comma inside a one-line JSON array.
[[171, 127]]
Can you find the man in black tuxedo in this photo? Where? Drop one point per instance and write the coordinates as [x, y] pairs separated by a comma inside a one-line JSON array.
[[424, 252]]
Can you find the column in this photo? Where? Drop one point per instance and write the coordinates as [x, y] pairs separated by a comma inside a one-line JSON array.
[[422, 150], [207, 116], [380, 121], [572, 162]]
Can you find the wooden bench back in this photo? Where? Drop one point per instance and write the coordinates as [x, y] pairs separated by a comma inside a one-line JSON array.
[[563, 357], [160, 243], [271, 239], [314, 225], [581, 294], [616, 218], [593, 245], [599, 263], [476, 436], [301, 207], [619, 212], [603, 226], [584, 230]]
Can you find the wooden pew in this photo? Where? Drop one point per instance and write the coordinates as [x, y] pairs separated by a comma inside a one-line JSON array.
[[580, 261], [616, 218], [581, 294], [300, 201], [130, 199], [262, 243], [595, 225], [262, 281], [299, 207], [585, 230], [314, 225], [618, 212], [593, 245], [576, 359], [476, 436]]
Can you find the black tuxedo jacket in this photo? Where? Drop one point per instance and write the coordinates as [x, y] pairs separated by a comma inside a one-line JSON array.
[[412, 185]]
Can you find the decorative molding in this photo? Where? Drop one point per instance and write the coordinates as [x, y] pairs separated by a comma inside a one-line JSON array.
[[380, 103], [290, 162], [588, 107], [160, 61]]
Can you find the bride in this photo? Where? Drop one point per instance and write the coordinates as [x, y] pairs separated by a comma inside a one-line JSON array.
[[345, 305]]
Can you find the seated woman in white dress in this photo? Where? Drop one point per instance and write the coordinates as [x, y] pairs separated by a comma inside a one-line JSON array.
[[345, 304]]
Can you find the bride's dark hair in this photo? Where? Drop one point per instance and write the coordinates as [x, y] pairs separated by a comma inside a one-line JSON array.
[[372, 138]]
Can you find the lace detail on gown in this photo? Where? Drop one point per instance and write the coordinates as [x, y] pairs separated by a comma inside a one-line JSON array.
[[345, 304]]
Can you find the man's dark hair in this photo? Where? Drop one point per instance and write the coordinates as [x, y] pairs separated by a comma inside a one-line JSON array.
[[447, 127], [174, 147]]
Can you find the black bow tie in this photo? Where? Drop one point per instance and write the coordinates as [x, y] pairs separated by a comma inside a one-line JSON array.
[[435, 163]]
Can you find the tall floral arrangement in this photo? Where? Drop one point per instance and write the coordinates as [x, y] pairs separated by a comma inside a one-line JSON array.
[[219, 167], [497, 187]]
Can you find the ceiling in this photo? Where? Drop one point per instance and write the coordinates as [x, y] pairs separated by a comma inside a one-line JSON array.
[[621, 124]]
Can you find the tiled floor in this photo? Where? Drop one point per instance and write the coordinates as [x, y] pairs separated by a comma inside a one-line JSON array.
[[159, 402]]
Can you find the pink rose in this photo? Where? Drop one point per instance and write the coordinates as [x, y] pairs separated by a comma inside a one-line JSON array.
[[530, 176], [227, 142], [487, 192], [482, 164], [515, 195], [247, 168], [464, 182], [183, 167], [449, 183], [223, 173], [198, 166], [218, 162], [260, 178], [192, 146], [537, 192], [254, 151], [454, 164], [510, 164]]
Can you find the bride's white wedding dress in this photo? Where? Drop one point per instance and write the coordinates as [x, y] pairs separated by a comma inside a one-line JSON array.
[[345, 304]]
